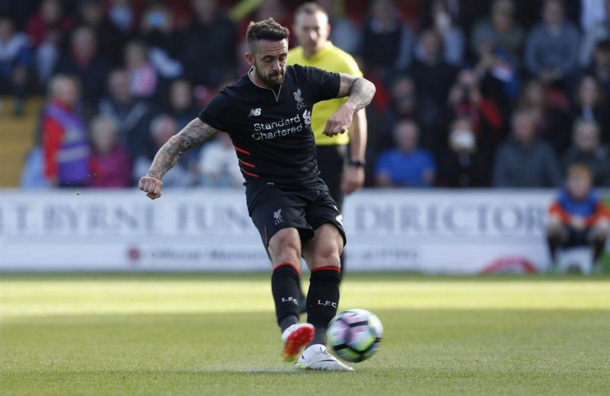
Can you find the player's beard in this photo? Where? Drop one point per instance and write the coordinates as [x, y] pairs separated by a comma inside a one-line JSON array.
[[273, 84]]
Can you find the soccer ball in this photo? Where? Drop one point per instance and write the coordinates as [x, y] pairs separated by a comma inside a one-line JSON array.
[[355, 335]]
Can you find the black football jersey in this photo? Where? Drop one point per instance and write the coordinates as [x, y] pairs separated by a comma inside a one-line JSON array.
[[271, 130]]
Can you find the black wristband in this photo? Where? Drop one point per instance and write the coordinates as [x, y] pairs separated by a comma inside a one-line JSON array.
[[357, 163]]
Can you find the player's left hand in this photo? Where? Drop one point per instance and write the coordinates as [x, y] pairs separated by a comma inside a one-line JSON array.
[[339, 122], [353, 179]]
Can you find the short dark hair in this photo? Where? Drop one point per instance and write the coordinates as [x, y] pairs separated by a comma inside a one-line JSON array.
[[267, 29], [310, 8]]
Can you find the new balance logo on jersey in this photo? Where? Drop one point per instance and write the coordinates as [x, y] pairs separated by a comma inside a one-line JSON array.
[[290, 300], [299, 99], [327, 304], [278, 217], [255, 112]]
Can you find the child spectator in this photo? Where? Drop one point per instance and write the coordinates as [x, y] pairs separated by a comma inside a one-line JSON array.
[[578, 217]]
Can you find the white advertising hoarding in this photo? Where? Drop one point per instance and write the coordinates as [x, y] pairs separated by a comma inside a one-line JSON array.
[[436, 231]]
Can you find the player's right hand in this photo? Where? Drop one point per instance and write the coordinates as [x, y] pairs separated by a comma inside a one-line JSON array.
[[151, 186]]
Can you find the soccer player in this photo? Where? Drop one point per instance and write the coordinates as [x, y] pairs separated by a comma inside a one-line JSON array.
[[267, 114], [578, 217]]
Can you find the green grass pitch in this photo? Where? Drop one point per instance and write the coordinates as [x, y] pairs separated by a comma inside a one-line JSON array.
[[215, 334]]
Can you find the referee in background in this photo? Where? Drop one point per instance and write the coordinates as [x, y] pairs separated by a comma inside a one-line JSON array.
[[341, 169]]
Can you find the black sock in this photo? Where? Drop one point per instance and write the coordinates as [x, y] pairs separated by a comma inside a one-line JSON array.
[[598, 249], [553, 244], [323, 300], [285, 289]]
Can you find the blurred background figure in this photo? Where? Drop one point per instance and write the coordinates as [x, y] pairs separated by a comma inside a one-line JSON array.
[[525, 160], [162, 128], [64, 135], [110, 163], [143, 78], [407, 165], [590, 105], [110, 40], [15, 63], [578, 217], [218, 166], [586, 150], [441, 20], [463, 164]]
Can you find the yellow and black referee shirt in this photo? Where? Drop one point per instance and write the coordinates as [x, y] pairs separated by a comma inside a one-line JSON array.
[[332, 59]]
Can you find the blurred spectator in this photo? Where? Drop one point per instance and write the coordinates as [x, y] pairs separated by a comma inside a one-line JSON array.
[[387, 44], [218, 166], [578, 217], [208, 49], [498, 74], [46, 30], [592, 13], [600, 30], [552, 124], [162, 128], [143, 78], [525, 161], [121, 14], [164, 43], [182, 104], [433, 77], [463, 164], [403, 105], [587, 151], [109, 39], [33, 173], [452, 35], [590, 105], [15, 63], [110, 163], [84, 63], [499, 31], [467, 101], [407, 165], [64, 135], [345, 34], [132, 116], [600, 68], [552, 46]]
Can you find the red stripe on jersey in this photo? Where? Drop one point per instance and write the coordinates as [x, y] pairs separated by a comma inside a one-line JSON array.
[[248, 173], [242, 150], [247, 163], [326, 268]]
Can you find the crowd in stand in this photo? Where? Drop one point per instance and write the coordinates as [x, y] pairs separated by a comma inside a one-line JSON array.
[[470, 93]]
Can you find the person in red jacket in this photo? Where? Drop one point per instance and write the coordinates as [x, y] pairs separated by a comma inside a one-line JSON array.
[[64, 136], [110, 163], [578, 217]]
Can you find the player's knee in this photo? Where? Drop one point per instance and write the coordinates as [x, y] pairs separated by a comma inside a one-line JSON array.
[[285, 246], [326, 255], [554, 229], [600, 230]]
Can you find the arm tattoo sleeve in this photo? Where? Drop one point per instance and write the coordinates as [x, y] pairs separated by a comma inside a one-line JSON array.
[[360, 91], [195, 133]]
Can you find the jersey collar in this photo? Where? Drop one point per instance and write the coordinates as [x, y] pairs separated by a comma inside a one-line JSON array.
[[276, 95]]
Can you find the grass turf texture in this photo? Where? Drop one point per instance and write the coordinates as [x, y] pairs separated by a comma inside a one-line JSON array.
[[215, 335]]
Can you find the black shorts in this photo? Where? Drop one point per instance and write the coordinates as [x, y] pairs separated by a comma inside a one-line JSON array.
[[274, 208]]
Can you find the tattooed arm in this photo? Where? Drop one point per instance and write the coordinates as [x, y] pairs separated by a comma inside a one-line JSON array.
[[360, 92], [195, 133]]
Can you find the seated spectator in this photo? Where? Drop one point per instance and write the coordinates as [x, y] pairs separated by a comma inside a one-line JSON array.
[[586, 150], [110, 40], [433, 78], [162, 128], [442, 21], [84, 62], [15, 63], [552, 123], [590, 105], [110, 163], [208, 49], [46, 31], [132, 116], [403, 105], [552, 46], [182, 104], [578, 217], [122, 15], [218, 166], [467, 101], [407, 165], [163, 41], [345, 34], [33, 173], [463, 164], [500, 31], [387, 43], [599, 31], [64, 135], [525, 161], [600, 68], [143, 77]]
